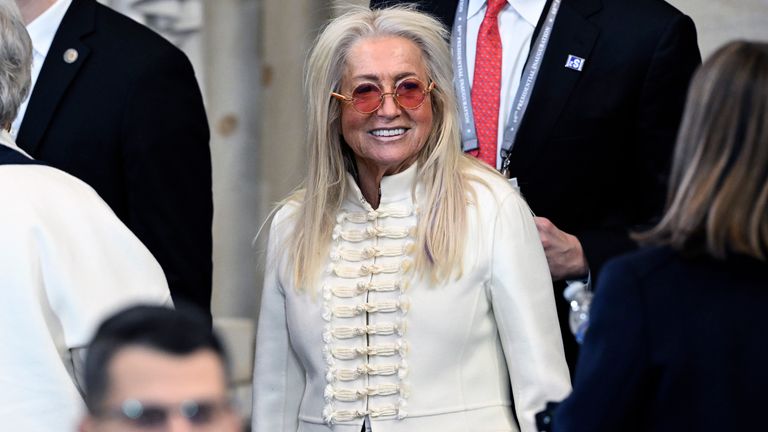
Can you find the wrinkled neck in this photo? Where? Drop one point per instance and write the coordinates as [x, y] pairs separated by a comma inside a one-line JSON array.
[[369, 177], [385, 190]]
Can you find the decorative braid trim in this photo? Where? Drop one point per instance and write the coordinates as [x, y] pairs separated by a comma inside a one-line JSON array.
[[373, 232], [334, 375], [331, 416], [395, 211], [382, 350], [356, 255], [382, 329], [353, 272], [363, 287], [385, 306]]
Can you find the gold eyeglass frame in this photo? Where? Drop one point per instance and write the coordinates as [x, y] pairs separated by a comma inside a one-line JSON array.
[[349, 99]]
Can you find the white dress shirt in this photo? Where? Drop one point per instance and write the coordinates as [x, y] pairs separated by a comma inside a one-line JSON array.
[[41, 30], [517, 22]]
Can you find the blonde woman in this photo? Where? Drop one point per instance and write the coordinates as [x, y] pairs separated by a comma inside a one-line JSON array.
[[677, 339], [407, 289]]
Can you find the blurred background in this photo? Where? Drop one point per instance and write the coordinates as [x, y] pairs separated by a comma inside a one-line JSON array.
[[249, 56]]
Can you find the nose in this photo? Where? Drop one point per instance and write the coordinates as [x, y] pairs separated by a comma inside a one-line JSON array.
[[389, 107], [177, 423]]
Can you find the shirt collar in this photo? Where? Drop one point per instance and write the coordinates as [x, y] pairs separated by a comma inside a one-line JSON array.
[[530, 10], [43, 28]]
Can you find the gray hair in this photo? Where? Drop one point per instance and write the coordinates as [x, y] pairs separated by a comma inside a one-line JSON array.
[[15, 61]]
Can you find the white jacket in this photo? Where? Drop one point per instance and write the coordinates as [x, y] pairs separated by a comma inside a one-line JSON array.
[[380, 342], [66, 263]]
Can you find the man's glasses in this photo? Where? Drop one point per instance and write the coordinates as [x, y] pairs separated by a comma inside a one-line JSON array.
[[202, 415], [367, 98]]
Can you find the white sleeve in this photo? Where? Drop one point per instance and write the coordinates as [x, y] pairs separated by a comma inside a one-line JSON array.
[[524, 308], [278, 379], [87, 262]]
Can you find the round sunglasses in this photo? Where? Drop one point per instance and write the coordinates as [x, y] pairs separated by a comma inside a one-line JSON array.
[[367, 98]]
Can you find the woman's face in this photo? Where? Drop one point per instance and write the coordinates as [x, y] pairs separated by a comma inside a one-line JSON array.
[[389, 139]]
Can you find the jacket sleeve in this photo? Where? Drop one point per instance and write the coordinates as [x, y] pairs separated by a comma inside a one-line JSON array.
[[524, 308], [652, 140], [614, 362], [86, 262], [167, 166], [278, 379]]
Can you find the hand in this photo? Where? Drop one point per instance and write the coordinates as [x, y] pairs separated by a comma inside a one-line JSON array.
[[564, 253]]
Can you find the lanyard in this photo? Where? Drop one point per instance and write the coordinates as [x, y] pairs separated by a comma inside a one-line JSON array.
[[524, 89]]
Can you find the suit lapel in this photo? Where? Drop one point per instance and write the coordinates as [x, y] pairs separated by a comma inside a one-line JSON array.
[[57, 73], [574, 35]]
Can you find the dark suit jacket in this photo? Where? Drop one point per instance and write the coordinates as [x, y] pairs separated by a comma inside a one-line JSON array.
[[9, 156], [127, 118], [675, 344], [594, 147]]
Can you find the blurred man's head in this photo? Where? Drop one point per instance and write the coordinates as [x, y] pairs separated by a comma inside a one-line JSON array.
[[156, 369]]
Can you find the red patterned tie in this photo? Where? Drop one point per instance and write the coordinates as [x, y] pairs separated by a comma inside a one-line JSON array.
[[486, 83]]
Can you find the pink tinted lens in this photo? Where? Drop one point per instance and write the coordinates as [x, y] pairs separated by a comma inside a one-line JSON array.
[[410, 94], [366, 98]]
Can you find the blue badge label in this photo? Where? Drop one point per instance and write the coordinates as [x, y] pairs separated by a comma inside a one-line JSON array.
[[575, 63]]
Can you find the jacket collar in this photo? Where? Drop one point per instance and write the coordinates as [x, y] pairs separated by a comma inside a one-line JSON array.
[[57, 72]]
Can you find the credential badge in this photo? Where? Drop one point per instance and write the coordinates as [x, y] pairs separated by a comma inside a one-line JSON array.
[[575, 63]]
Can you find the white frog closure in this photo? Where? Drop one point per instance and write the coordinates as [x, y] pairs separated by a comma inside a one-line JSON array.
[[365, 308]]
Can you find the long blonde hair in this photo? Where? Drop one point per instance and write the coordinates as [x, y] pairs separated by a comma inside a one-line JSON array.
[[718, 193], [442, 166]]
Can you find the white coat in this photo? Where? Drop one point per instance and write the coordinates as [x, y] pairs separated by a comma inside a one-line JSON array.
[[381, 343], [66, 263]]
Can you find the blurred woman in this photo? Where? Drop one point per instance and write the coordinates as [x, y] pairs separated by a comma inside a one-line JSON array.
[[406, 288], [677, 339]]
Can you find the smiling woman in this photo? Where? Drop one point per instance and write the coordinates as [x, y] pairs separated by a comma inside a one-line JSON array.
[[387, 139], [406, 287]]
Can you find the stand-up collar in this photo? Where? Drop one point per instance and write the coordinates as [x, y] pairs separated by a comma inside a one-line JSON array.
[[394, 187]]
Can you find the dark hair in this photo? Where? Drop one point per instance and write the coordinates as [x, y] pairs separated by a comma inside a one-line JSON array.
[[718, 192], [177, 332]]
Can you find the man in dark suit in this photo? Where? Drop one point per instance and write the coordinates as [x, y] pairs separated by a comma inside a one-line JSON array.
[[593, 148], [119, 107]]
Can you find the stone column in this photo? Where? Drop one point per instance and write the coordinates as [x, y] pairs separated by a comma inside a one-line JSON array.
[[233, 89]]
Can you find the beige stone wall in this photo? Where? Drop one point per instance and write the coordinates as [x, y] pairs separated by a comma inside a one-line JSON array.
[[339, 4], [256, 51], [719, 21], [233, 94]]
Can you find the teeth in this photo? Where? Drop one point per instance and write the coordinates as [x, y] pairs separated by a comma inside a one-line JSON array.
[[388, 132]]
